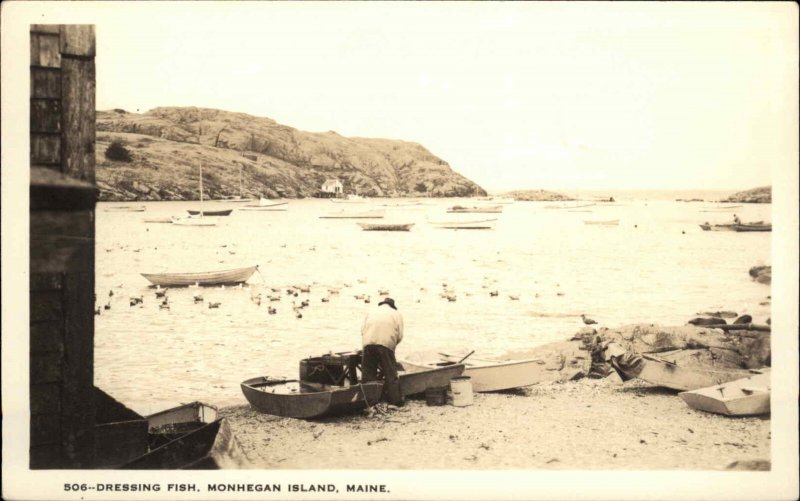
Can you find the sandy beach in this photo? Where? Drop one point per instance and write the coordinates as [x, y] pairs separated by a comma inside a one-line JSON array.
[[584, 424]]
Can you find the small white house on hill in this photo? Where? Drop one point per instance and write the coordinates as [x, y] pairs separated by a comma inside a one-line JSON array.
[[332, 187]]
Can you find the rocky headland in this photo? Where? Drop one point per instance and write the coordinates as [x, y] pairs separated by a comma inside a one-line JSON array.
[[166, 146], [762, 195]]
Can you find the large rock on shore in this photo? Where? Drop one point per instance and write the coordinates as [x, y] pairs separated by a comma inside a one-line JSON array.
[[762, 195], [168, 144], [761, 274]]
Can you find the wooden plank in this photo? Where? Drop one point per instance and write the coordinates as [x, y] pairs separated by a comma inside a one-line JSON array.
[[78, 40], [77, 397], [45, 399], [45, 149], [46, 429], [45, 116], [45, 367], [47, 337], [46, 50], [46, 83], [45, 457], [78, 123], [46, 282], [45, 306]]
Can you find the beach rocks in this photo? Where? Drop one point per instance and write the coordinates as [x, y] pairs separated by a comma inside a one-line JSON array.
[[761, 274]]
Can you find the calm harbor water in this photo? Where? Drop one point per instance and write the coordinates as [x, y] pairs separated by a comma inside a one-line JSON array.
[[656, 266]]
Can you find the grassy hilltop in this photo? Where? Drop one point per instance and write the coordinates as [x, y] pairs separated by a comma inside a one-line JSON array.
[[166, 145]]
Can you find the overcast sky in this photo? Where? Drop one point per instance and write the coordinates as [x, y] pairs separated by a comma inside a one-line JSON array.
[[534, 95]]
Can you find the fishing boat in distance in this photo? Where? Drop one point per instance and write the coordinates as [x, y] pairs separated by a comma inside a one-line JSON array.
[[226, 212], [608, 222], [480, 224], [125, 208], [204, 278], [752, 227], [486, 374], [352, 198], [373, 214], [165, 219], [266, 204], [743, 397], [385, 226], [568, 206], [488, 209], [193, 221], [306, 400]]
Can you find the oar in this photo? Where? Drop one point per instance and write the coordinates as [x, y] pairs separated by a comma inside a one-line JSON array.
[[468, 354]]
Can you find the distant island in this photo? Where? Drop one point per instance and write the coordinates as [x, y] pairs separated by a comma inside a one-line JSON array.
[[536, 196], [156, 156], [762, 195]]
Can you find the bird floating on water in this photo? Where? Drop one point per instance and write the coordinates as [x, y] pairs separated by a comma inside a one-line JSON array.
[[198, 298], [213, 305], [587, 321], [161, 293], [271, 310], [494, 293]]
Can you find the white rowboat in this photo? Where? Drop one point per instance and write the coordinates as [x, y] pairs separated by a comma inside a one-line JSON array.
[[223, 277], [743, 397], [486, 374]]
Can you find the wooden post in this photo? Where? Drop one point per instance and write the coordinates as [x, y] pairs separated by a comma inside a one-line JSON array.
[[62, 198]]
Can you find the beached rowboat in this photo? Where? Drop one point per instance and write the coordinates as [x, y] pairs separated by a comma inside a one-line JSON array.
[[669, 375], [743, 397], [205, 278], [385, 227], [210, 447], [486, 374], [482, 224], [301, 399], [226, 212]]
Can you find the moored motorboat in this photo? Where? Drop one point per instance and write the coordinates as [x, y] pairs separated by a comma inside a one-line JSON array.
[[669, 375], [266, 204], [225, 212], [743, 397], [204, 278], [481, 224], [385, 226], [125, 208], [486, 374], [303, 399]]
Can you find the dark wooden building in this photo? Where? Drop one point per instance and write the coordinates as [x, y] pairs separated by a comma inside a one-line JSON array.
[[62, 204]]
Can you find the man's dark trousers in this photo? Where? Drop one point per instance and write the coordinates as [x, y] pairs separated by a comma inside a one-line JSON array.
[[376, 356]]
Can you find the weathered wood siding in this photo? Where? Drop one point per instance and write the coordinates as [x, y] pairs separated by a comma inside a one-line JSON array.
[[62, 134]]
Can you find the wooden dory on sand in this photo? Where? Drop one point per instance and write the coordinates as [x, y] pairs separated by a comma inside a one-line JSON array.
[[204, 278], [743, 397], [485, 374], [669, 375]]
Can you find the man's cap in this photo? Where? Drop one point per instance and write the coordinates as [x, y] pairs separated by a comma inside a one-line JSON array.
[[388, 301]]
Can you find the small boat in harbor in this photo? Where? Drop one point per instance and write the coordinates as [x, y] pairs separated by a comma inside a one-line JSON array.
[[205, 278], [481, 224], [744, 227], [350, 199], [717, 227], [489, 209], [609, 222], [752, 227], [385, 227], [743, 397], [266, 204], [486, 374], [210, 447], [193, 221], [568, 207], [125, 208], [374, 214], [306, 400], [226, 212], [171, 423], [165, 219], [670, 375]]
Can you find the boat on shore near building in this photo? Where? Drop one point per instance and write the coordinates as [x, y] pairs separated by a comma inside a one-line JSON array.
[[385, 226], [479, 224], [204, 278], [748, 396], [352, 198]]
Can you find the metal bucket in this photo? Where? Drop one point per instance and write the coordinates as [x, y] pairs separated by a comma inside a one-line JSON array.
[[436, 396], [462, 391]]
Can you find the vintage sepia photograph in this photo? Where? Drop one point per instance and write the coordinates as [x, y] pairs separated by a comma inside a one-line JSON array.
[[437, 250]]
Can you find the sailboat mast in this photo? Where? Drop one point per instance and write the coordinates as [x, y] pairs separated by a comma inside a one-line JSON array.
[[200, 164]]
